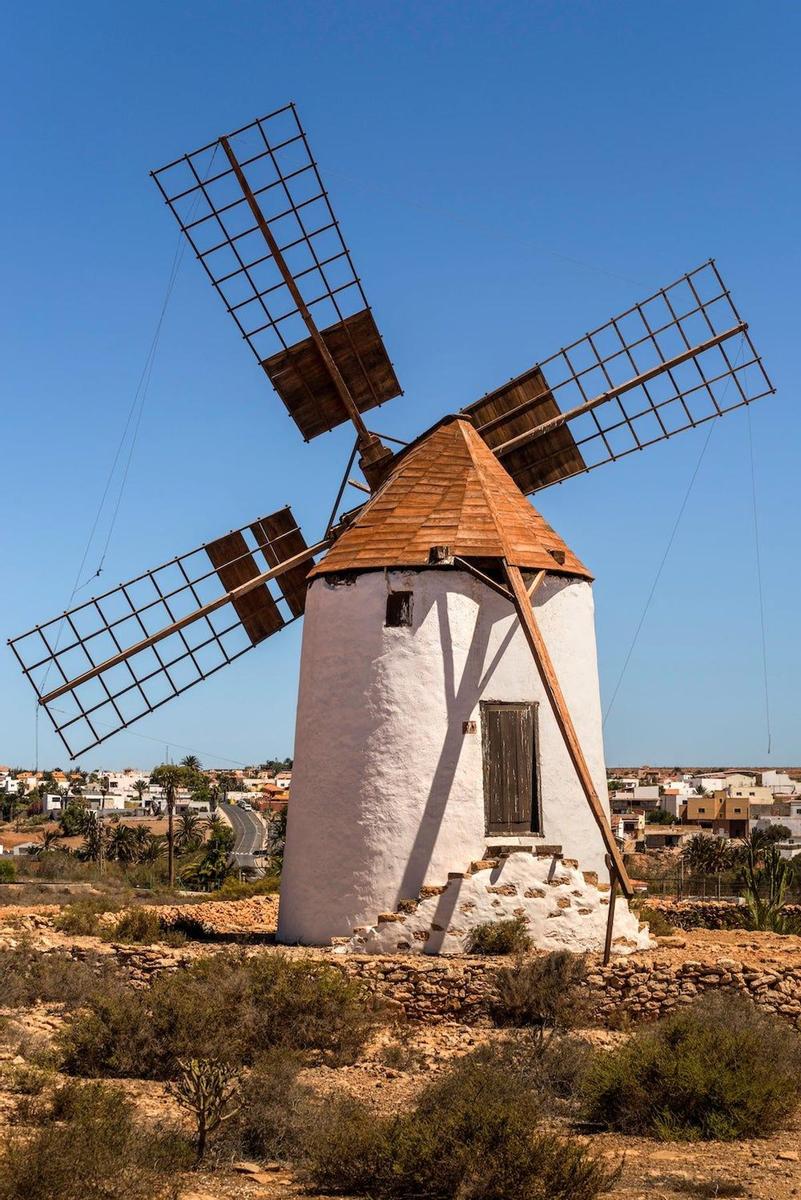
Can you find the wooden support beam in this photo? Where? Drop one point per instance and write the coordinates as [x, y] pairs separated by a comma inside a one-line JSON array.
[[610, 915], [535, 583], [553, 689], [349, 404]]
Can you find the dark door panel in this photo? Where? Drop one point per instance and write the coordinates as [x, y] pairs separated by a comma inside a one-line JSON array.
[[508, 735]]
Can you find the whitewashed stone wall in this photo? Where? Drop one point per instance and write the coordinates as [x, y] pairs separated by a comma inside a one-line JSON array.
[[561, 907]]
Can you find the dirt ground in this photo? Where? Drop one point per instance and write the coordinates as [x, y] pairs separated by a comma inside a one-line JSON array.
[[759, 1169]]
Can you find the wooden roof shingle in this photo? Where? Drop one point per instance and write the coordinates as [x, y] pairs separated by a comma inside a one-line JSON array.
[[448, 489]]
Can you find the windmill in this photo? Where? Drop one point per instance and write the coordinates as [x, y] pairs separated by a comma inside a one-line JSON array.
[[449, 759]]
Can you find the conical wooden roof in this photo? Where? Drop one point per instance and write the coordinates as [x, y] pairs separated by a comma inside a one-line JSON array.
[[448, 489]]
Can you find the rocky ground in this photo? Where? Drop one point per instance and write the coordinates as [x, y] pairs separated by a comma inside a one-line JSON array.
[[761, 1169]]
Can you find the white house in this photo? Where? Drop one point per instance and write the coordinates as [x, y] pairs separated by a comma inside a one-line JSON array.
[[780, 783]]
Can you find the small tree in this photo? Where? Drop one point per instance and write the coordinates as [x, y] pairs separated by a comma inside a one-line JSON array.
[[170, 778], [210, 1092]]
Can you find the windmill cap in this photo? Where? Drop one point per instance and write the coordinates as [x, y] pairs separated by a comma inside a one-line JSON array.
[[448, 489]]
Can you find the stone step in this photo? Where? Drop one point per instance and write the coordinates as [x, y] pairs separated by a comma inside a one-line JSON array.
[[484, 864]]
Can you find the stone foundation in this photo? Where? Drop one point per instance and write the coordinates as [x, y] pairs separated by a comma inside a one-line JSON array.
[[562, 907]]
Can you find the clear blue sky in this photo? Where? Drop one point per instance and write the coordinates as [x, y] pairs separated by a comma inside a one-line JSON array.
[[508, 175]]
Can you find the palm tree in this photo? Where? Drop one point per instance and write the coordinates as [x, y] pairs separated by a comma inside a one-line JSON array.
[[190, 833], [706, 855], [155, 849], [50, 838], [170, 778], [93, 839], [191, 762], [140, 787], [121, 843]]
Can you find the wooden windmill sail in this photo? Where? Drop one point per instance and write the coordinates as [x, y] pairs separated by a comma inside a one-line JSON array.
[[254, 209]]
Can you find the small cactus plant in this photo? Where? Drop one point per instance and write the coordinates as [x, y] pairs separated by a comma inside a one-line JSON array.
[[208, 1090]]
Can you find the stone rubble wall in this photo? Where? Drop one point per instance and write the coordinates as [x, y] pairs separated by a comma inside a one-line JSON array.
[[708, 914], [630, 990]]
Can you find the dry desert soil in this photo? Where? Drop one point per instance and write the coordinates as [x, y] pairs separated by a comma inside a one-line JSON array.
[[759, 1169]]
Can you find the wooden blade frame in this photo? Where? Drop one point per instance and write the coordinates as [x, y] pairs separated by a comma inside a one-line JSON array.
[[669, 363], [119, 656], [254, 209]]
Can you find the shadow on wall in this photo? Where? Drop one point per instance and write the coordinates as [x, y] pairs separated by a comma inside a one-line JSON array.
[[460, 703]]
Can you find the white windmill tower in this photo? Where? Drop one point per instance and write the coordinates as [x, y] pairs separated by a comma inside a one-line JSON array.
[[449, 760]]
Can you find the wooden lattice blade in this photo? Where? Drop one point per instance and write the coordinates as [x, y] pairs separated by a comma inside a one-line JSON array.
[[117, 657], [669, 363], [254, 209]]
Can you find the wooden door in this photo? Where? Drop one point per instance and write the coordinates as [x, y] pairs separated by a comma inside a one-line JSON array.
[[508, 738]]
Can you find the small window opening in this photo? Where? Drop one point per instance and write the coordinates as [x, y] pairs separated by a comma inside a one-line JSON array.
[[399, 609]]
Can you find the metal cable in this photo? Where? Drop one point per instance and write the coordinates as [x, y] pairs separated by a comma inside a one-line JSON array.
[[668, 548], [760, 591]]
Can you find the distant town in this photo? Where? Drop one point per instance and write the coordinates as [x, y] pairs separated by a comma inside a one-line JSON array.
[[652, 808], [133, 792], [659, 808]]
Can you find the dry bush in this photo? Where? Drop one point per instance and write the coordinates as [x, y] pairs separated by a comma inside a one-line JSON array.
[[544, 993], [82, 917], [209, 1092], [29, 976], [472, 1134], [275, 1108], [717, 1069], [91, 1147], [509, 936], [227, 1007]]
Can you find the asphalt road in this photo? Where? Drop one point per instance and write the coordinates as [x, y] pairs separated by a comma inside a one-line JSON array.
[[249, 832]]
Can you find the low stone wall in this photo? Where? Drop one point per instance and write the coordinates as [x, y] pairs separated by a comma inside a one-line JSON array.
[[708, 914], [636, 989]]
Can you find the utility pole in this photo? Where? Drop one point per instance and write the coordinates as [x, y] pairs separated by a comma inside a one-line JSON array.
[[169, 791], [103, 793]]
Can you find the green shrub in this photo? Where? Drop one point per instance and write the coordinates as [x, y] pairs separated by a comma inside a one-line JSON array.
[[26, 1079], [93, 1148], [227, 1007], [658, 923], [472, 1134], [137, 925], [542, 993], [29, 975], [112, 1036], [82, 917], [234, 889], [275, 1107], [717, 1069], [499, 937], [8, 870]]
